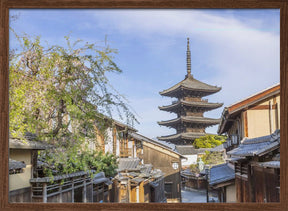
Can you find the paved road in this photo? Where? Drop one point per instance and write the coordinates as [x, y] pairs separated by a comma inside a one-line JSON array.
[[193, 196]]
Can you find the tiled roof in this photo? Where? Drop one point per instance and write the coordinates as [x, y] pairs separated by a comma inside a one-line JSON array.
[[257, 146], [190, 119], [156, 143], [137, 179], [14, 164], [180, 136], [100, 178], [270, 164], [146, 168], [15, 143], [190, 150], [220, 173], [60, 177], [218, 148], [128, 164], [190, 83], [186, 149], [201, 104]]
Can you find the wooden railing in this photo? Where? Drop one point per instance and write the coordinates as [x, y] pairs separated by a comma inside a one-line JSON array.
[[50, 189]]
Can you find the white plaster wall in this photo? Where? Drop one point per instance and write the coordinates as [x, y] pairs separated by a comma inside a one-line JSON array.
[[191, 159], [230, 194], [109, 141], [21, 180]]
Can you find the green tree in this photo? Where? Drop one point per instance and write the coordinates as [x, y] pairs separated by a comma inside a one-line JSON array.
[[59, 93], [209, 141], [194, 168], [212, 158]]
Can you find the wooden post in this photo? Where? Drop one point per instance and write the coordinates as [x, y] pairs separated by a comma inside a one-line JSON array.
[[250, 183], [84, 191], [207, 185], [114, 141], [60, 191], [92, 199], [245, 124], [44, 192], [264, 185], [276, 116], [72, 193], [270, 117], [103, 191]]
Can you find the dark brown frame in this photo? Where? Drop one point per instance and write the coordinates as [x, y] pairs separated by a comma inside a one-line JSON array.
[[5, 5]]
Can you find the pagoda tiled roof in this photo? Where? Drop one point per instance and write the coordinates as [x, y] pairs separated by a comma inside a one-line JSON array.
[[179, 136], [199, 104], [190, 83], [190, 119]]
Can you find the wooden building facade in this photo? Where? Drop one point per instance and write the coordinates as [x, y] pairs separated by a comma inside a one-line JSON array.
[[221, 180], [255, 116], [22, 167], [257, 169], [114, 139], [138, 183], [163, 158]]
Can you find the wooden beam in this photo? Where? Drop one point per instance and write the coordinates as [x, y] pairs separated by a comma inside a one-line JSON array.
[[114, 134], [263, 107], [245, 124]]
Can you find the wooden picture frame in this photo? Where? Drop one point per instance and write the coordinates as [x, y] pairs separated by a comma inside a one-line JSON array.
[[149, 4]]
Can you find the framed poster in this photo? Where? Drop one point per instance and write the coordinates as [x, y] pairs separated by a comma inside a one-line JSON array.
[[144, 32]]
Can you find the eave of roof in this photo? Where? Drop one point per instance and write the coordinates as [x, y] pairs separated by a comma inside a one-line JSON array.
[[197, 104], [14, 164], [220, 173], [60, 177], [179, 136], [270, 164], [189, 83], [255, 98], [128, 164], [257, 146], [190, 119], [15, 143]]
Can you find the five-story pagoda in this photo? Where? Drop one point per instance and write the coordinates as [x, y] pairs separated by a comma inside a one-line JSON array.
[[190, 122]]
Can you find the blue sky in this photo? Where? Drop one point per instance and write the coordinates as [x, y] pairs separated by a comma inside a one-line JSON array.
[[238, 50]]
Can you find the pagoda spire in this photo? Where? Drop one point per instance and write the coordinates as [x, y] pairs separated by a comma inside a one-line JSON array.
[[188, 54]]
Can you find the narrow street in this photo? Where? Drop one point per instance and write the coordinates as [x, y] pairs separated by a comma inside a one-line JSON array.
[[193, 196]]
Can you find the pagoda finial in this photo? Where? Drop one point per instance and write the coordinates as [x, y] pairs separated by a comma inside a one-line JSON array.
[[188, 53]]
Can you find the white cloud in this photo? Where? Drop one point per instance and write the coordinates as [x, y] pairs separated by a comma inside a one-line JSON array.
[[240, 58]]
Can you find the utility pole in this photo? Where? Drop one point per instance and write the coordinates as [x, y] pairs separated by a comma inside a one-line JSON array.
[[207, 183]]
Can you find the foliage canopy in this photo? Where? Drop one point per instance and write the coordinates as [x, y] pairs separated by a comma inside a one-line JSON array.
[[212, 158], [59, 93], [209, 141]]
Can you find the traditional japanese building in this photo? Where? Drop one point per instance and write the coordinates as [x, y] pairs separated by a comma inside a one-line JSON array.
[[190, 106]]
